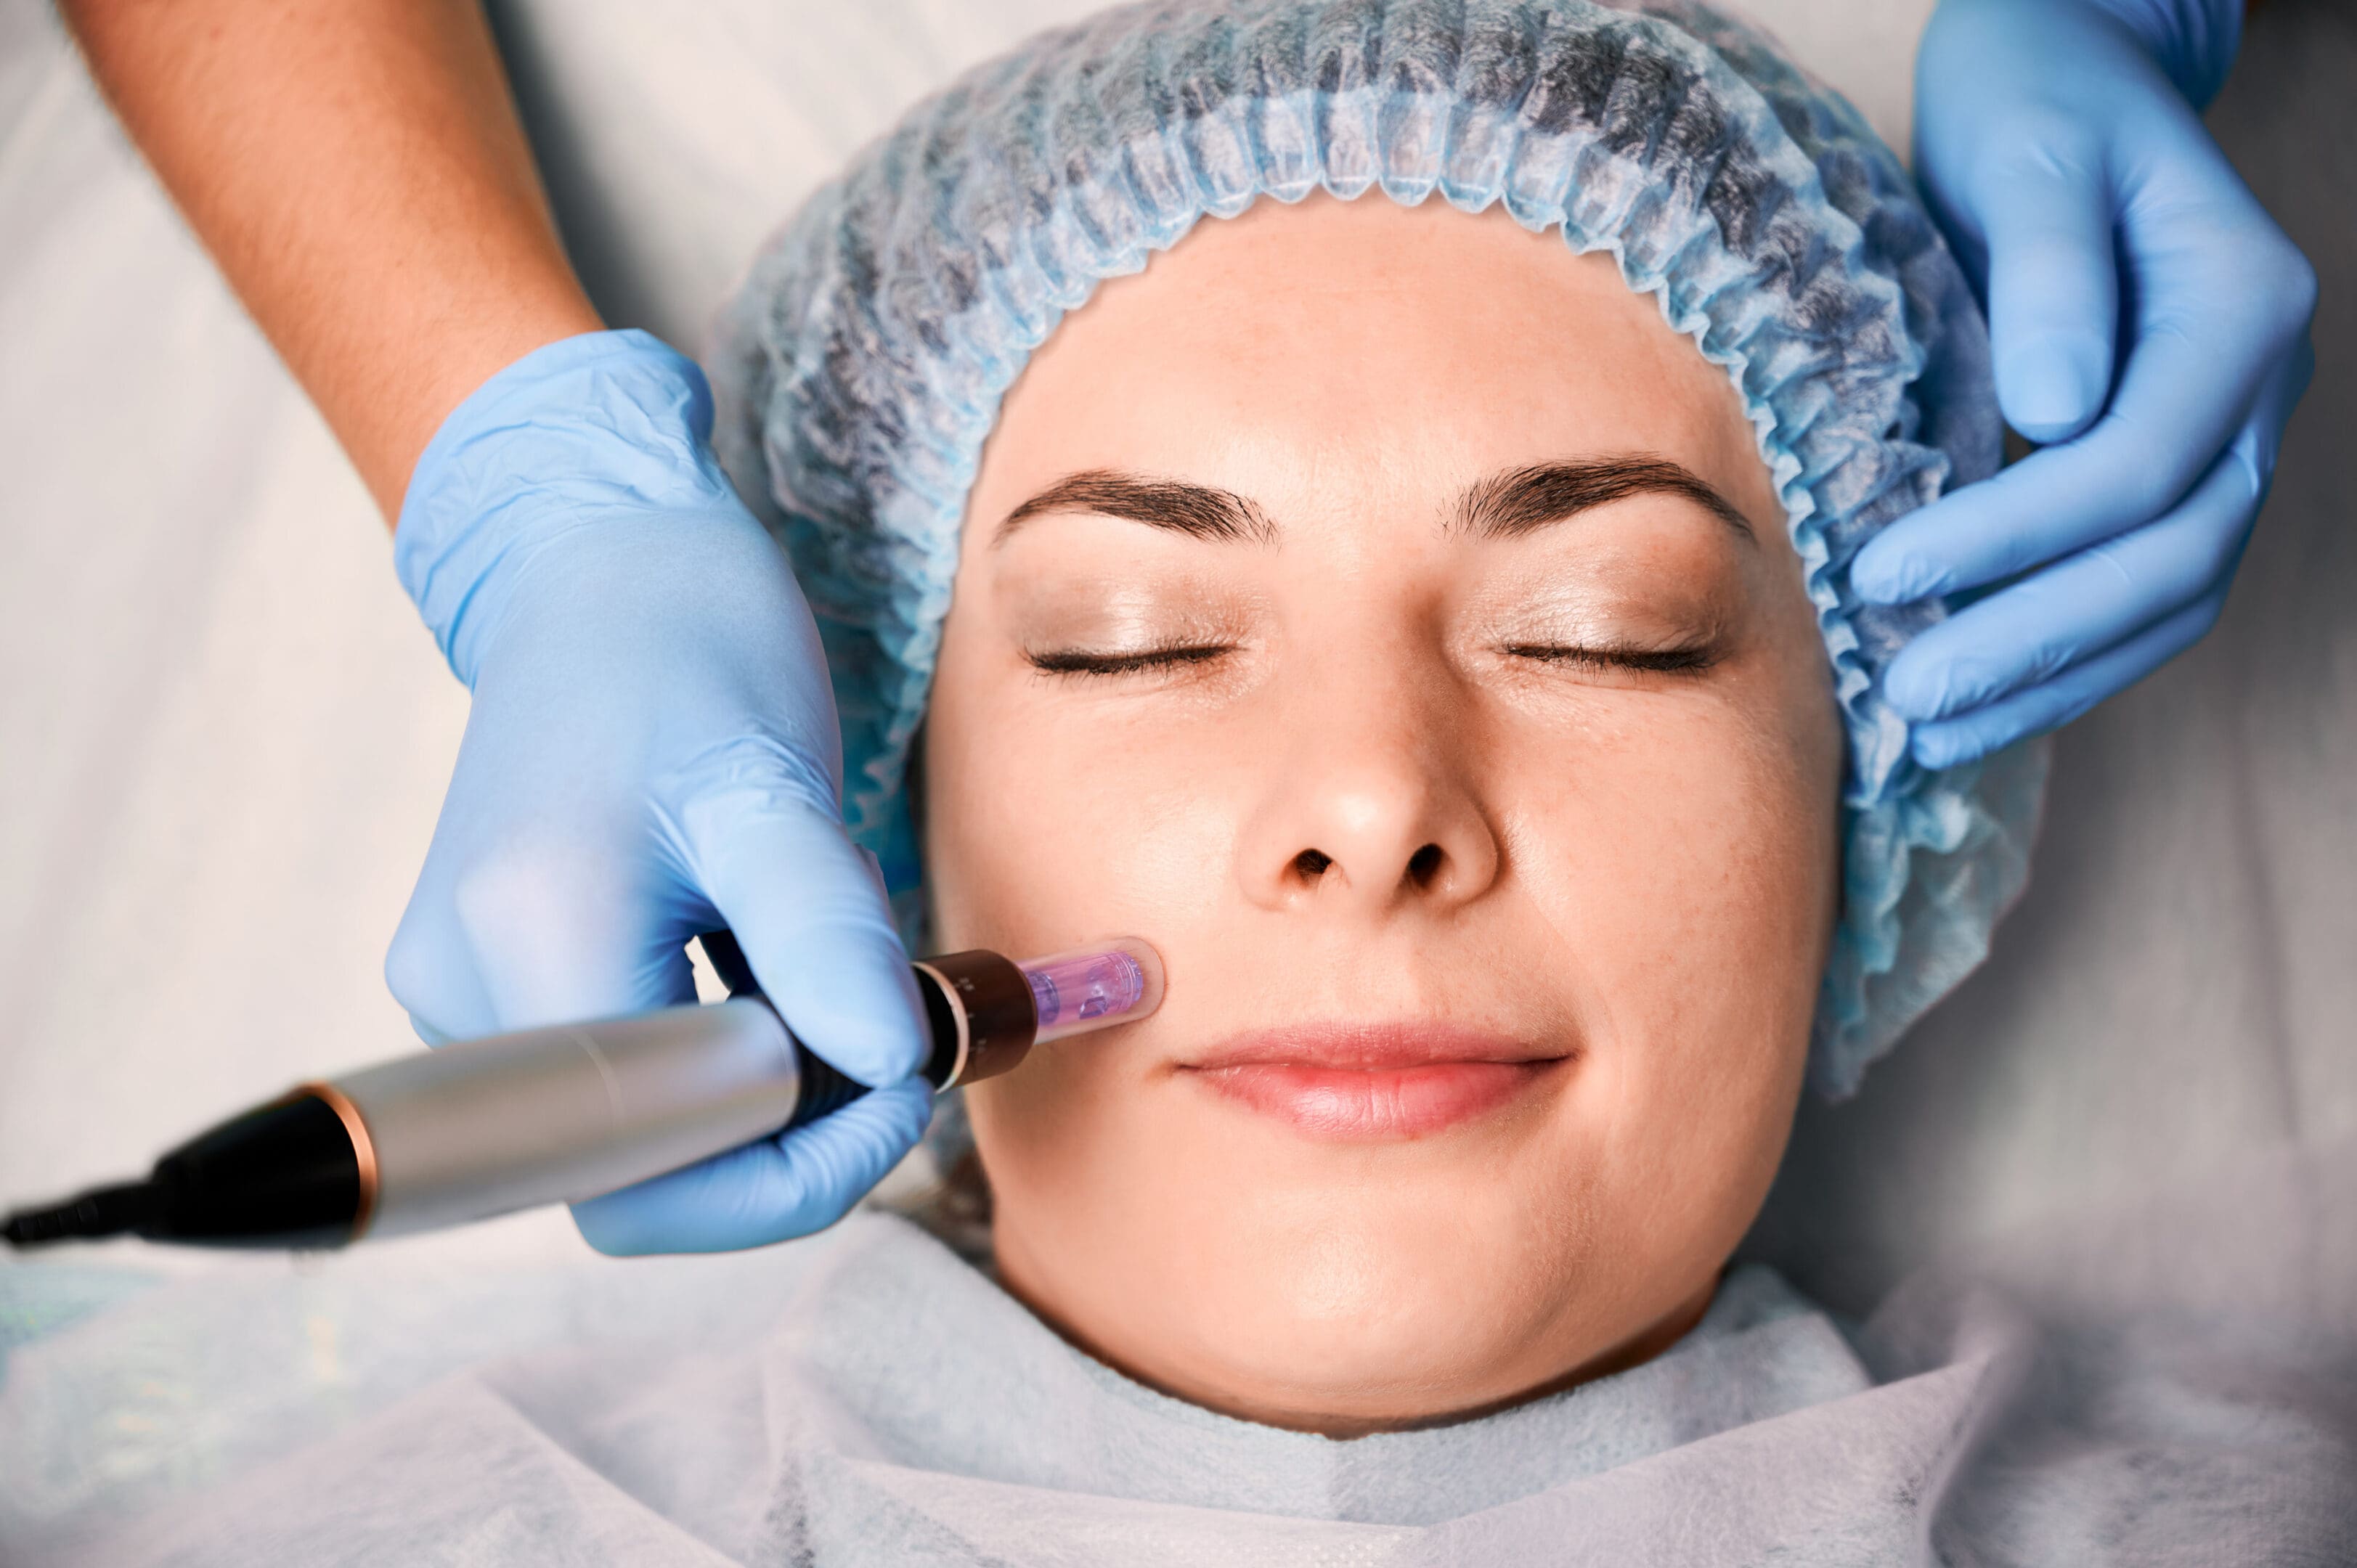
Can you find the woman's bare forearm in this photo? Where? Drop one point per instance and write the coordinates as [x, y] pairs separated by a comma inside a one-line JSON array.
[[358, 171]]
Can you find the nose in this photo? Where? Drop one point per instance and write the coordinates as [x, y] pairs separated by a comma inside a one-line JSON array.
[[1372, 806]]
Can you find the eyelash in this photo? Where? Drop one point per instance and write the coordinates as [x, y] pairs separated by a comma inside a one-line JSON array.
[[1650, 662], [1079, 662]]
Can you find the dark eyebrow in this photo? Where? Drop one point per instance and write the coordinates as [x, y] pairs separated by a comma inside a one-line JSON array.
[[1196, 509], [1504, 506]]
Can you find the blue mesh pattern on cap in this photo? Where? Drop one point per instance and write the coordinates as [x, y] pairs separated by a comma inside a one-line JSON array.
[[862, 365]]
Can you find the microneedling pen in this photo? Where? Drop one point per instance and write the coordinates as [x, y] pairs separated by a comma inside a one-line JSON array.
[[489, 1126]]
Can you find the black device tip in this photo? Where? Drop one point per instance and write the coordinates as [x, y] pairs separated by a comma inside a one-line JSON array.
[[102, 1211]]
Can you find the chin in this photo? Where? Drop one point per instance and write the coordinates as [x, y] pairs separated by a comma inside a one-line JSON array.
[[1370, 1307]]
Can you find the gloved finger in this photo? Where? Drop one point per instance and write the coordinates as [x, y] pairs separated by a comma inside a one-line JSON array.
[[2261, 440], [2212, 338], [768, 1191], [2058, 702], [805, 904], [2069, 612], [430, 965], [566, 922], [2053, 284], [430, 969]]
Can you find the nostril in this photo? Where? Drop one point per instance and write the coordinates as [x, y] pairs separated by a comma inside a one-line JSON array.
[[1311, 864], [1424, 865]]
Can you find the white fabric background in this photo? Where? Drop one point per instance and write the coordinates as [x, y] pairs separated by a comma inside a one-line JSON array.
[[223, 736]]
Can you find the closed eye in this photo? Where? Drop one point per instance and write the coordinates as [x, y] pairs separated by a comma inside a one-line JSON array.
[[1655, 661], [1080, 662]]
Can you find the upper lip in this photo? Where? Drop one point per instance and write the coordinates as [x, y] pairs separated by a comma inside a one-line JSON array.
[[1372, 1047]]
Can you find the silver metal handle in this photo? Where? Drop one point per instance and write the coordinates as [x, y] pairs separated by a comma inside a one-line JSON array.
[[554, 1115]]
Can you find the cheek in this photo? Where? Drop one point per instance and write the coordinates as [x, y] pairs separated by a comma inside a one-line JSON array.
[[1686, 858], [1049, 825]]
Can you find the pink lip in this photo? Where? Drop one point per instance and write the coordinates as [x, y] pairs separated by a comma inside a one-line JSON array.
[[1374, 1081]]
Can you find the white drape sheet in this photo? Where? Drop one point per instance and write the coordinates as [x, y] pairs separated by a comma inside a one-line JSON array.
[[2170, 1384]]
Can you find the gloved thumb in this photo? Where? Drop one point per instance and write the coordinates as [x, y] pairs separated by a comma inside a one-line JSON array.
[[806, 907], [2045, 215]]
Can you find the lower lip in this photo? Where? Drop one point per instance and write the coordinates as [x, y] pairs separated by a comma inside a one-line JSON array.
[[1374, 1103]]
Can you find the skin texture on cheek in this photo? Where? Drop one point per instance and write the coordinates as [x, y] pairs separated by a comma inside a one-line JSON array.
[[1561, 802]]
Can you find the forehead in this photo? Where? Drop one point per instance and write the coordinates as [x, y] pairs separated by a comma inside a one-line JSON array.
[[1339, 350]]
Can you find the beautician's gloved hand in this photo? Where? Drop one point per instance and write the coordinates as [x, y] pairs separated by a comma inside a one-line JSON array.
[[2059, 144], [652, 753]]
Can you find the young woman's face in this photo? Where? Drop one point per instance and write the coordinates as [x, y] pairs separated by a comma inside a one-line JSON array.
[[1385, 614]]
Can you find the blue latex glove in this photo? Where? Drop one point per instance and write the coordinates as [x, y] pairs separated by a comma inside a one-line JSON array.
[[2059, 145], [652, 753]]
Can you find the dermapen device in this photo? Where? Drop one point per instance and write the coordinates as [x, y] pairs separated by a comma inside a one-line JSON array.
[[489, 1126]]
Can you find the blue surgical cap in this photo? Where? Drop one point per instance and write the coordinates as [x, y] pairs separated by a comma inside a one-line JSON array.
[[862, 365]]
